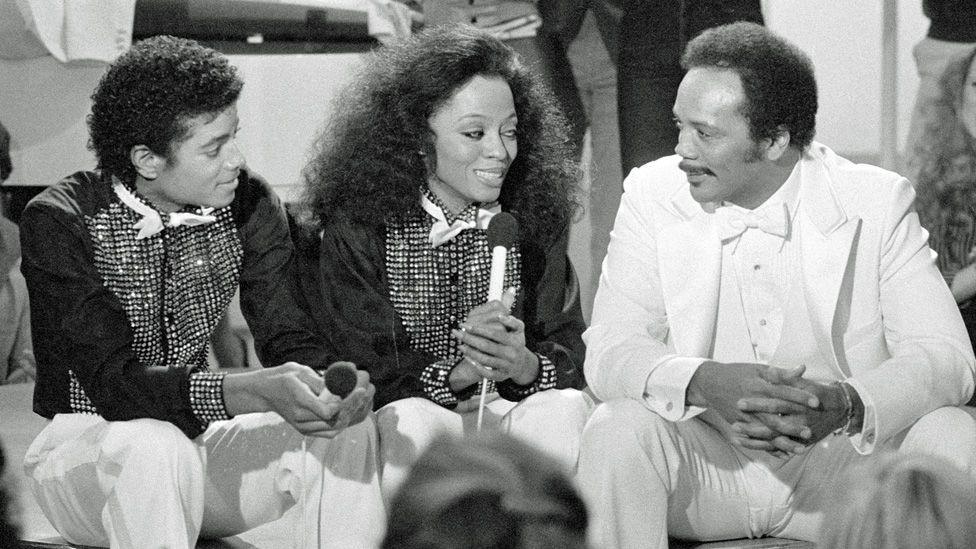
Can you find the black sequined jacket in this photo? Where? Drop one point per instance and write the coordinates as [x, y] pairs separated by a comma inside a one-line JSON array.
[[343, 281], [121, 325]]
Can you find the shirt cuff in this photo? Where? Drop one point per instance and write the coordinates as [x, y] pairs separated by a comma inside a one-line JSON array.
[[545, 379], [207, 396], [667, 387]]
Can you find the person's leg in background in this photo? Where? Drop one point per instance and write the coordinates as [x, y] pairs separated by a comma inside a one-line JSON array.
[[653, 34], [595, 76]]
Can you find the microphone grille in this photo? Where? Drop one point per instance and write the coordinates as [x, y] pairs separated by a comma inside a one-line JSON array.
[[340, 378], [502, 230]]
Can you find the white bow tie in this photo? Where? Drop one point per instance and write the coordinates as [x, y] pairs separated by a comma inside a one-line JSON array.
[[774, 219], [442, 231], [151, 222]]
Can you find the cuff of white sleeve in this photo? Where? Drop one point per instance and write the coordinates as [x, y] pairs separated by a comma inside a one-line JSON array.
[[666, 387]]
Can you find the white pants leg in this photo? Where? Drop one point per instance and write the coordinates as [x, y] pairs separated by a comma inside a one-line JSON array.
[[549, 420], [632, 461], [644, 477], [112, 483], [258, 468]]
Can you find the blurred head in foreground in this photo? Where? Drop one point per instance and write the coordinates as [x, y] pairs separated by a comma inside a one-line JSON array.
[[481, 493], [903, 501]]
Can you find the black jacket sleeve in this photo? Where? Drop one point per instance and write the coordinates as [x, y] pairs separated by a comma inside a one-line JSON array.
[[281, 330]]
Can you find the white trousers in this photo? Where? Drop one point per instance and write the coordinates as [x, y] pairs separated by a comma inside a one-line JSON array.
[[143, 483], [551, 421], [644, 477]]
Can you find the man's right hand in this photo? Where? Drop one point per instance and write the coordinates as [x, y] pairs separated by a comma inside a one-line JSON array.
[[297, 393], [721, 386]]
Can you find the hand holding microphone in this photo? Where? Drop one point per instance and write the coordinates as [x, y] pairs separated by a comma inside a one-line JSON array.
[[349, 391], [491, 340]]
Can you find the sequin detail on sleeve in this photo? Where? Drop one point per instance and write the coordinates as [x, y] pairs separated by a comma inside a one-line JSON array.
[[207, 396], [545, 380]]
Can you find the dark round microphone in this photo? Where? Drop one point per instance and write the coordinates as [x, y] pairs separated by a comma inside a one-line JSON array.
[[340, 378], [502, 232]]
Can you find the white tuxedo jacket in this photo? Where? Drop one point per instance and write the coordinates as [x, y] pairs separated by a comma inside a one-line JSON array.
[[880, 314]]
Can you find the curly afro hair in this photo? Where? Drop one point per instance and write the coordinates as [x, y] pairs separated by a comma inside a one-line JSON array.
[[149, 95], [777, 78], [369, 161]]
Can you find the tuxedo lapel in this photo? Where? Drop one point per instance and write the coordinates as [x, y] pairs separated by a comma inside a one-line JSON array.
[[828, 239], [689, 263]]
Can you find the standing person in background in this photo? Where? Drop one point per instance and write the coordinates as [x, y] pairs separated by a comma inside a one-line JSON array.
[[943, 158], [770, 315], [16, 351], [580, 39], [951, 35], [653, 33], [438, 134], [129, 267]]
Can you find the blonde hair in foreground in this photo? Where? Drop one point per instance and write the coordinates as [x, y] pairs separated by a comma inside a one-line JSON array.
[[902, 501]]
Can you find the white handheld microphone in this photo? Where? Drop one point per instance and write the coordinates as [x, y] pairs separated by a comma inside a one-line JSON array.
[[502, 232]]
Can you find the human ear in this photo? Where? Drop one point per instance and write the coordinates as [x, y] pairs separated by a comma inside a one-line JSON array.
[[145, 161], [778, 144]]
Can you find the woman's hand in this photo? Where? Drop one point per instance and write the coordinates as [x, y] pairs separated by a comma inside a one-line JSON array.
[[493, 344]]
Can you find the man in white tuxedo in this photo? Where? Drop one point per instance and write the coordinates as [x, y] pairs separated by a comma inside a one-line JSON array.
[[768, 315]]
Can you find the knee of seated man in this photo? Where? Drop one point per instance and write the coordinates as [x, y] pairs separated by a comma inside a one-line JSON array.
[[615, 421], [151, 441], [949, 431]]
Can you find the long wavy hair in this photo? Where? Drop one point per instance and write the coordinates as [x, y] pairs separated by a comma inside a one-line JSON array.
[[367, 162], [942, 162]]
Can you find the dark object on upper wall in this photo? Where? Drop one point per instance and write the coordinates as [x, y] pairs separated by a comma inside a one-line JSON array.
[[255, 27]]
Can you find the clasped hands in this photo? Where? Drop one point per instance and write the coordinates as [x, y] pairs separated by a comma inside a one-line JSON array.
[[771, 409], [492, 343], [298, 394]]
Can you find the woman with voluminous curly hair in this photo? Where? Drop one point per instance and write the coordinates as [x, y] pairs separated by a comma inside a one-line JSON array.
[[435, 136], [943, 166]]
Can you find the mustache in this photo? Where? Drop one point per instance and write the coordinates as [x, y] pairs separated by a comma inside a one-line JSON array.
[[688, 167]]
